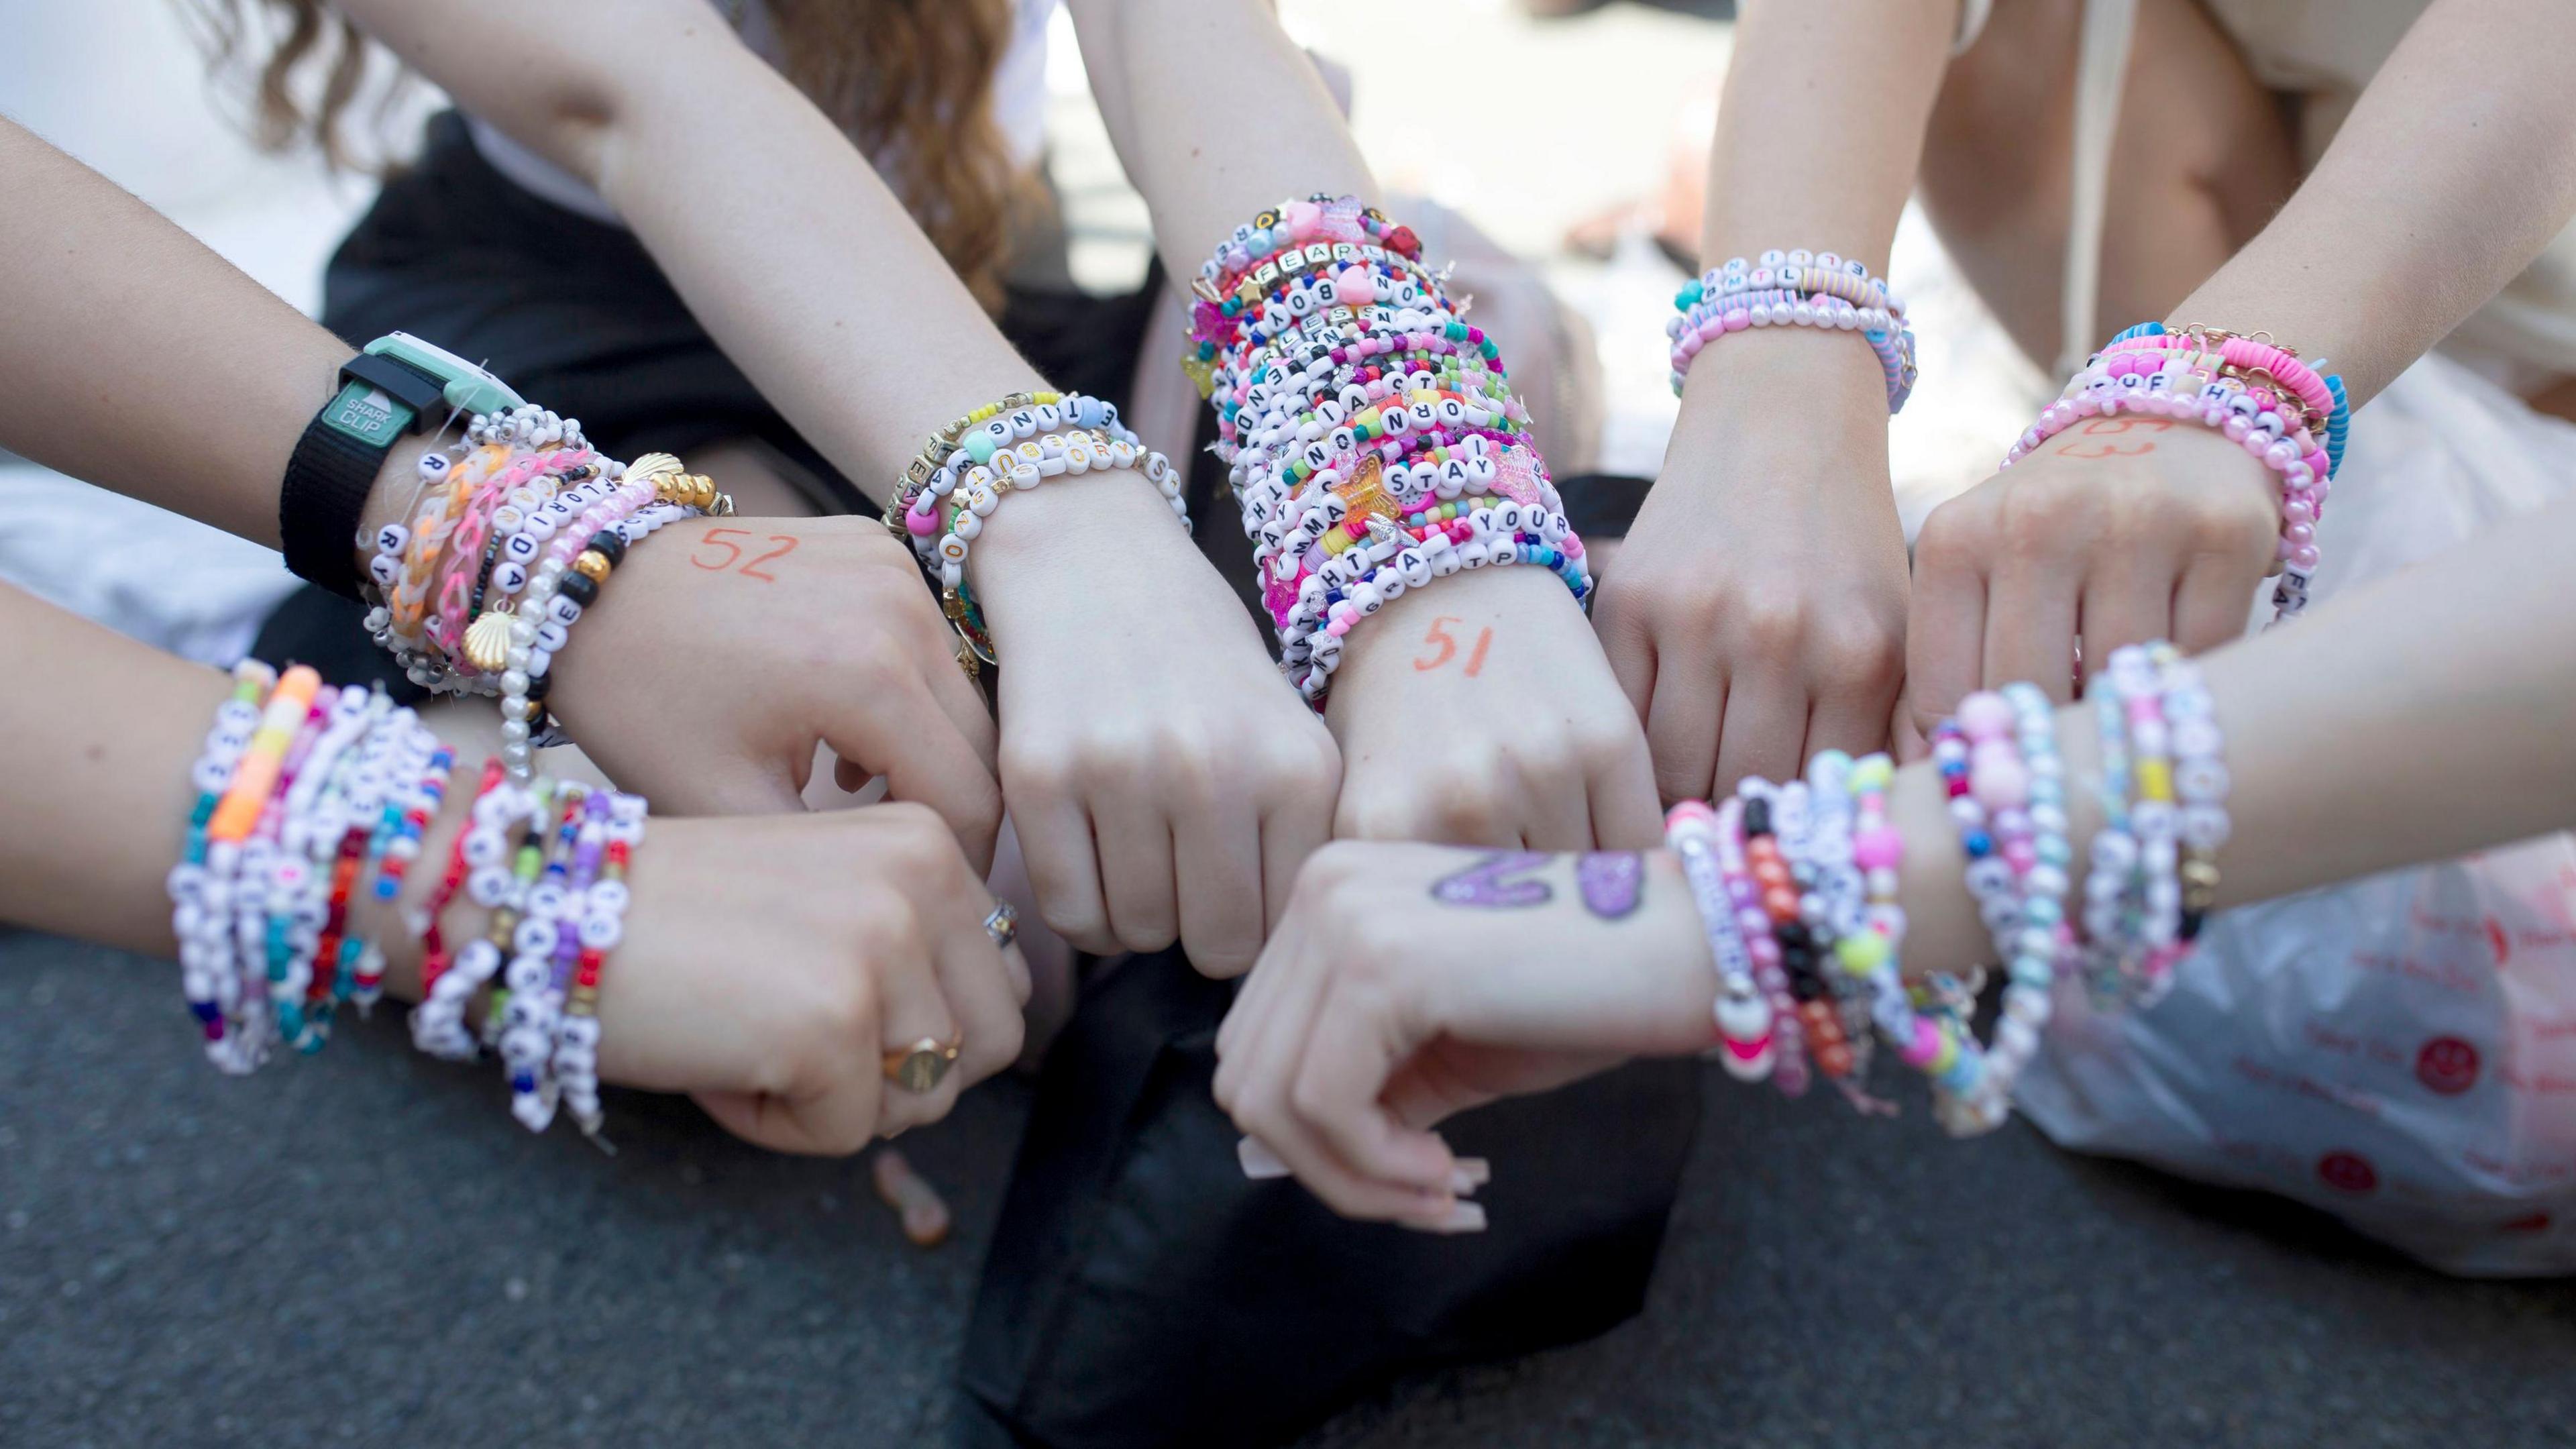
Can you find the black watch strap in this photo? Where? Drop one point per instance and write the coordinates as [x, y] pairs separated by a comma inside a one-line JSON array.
[[334, 465]]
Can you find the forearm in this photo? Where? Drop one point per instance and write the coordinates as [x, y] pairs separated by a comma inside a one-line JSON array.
[[139, 360], [94, 799], [784, 242], [1820, 132], [1209, 144], [2416, 720], [2455, 168]]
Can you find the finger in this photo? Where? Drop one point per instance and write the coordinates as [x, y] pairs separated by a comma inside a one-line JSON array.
[[2030, 629], [1360, 1035], [1766, 725], [1218, 868], [1055, 843], [1633, 658], [1134, 842], [2128, 600], [2213, 604], [1852, 718], [1239, 1034], [1905, 737], [835, 1124], [1556, 805], [1289, 834], [959, 699], [976, 978], [900, 732], [1625, 812], [1682, 726], [914, 1007], [728, 785], [1945, 635]]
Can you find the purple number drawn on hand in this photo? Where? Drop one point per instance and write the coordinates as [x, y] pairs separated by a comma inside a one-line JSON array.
[[1483, 886], [1612, 881]]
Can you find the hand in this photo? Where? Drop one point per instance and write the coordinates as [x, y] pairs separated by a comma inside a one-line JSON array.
[[1478, 711], [770, 962], [1164, 779], [1756, 613], [1410, 982], [2118, 531], [723, 651]]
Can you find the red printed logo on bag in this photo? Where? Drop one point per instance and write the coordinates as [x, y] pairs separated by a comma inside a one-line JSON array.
[[2348, 1172], [2496, 938], [2447, 1065]]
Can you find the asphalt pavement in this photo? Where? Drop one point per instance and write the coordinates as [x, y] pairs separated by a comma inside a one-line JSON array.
[[361, 1248]]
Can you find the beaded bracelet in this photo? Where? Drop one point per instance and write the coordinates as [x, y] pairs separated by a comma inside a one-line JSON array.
[[1745, 1046], [2259, 395], [1799, 289], [968, 467], [1354, 403]]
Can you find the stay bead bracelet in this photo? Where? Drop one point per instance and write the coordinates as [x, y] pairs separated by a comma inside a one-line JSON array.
[[1354, 403]]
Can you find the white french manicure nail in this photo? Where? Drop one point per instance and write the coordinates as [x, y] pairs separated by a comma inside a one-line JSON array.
[[1259, 1162], [1468, 1174], [1464, 1217]]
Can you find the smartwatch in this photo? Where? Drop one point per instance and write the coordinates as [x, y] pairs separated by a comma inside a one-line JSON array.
[[397, 385]]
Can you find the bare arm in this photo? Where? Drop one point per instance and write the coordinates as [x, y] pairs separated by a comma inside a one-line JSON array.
[[1758, 610], [1208, 143], [2455, 168], [138, 359], [2422, 717], [1532, 740]]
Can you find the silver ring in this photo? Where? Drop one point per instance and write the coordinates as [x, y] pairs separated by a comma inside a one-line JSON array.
[[1003, 925]]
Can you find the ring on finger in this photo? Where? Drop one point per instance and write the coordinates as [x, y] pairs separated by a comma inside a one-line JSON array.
[[1003, 926], [921, 1066]]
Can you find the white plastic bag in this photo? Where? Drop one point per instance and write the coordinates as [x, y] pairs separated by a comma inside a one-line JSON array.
[[2399, 1051]]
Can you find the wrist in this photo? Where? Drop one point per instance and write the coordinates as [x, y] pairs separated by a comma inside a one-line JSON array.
[[1449, 625], [1783, 391], [1065, 529]]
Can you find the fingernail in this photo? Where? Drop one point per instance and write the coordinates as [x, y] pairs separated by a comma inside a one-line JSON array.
[[1462, 1217], [1469, 1174], [1259, 1162]]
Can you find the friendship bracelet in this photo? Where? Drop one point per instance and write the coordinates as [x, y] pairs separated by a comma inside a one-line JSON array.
[[968, 468], [1355, 405], [1745, 1047], [2256, 393], [1796, 289]]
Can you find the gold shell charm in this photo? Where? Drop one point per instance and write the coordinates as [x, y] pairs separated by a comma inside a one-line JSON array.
[[487, 641]]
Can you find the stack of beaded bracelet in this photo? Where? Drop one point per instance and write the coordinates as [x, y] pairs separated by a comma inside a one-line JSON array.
[[968, 467], [1370, 433], [513, 530], [2260, 395], [288, 828], [2155, 868], [1794, 289], [309, 797], [1790, 879]]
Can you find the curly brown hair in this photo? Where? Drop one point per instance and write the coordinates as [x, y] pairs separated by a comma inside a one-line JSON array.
[[910, 82]]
